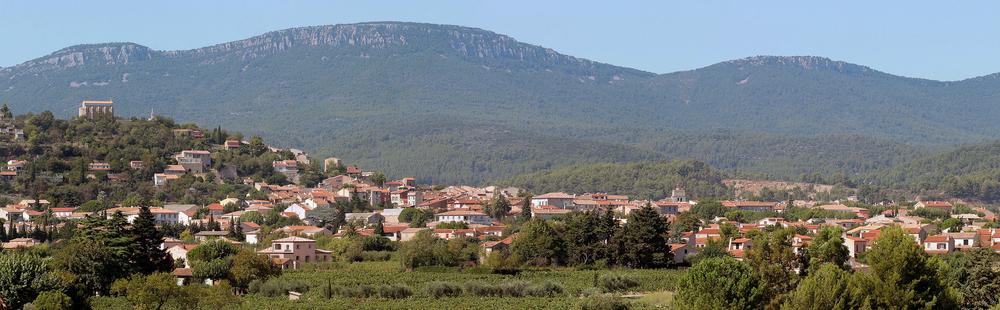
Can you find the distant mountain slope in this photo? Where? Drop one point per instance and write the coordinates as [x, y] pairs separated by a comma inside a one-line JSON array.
[[968, 172], [330, 89], [642, 180]]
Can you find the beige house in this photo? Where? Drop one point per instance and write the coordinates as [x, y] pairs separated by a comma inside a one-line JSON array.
[[294, 251]]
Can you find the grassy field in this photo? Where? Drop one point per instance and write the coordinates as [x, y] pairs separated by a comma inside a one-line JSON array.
[[580, 287]]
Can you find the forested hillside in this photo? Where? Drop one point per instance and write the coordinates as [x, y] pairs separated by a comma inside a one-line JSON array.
[[969, 172], [454, 104], [642, 180], [58, 154]]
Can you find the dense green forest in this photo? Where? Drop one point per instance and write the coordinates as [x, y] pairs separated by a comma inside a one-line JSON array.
[[968, 172], [452, 104], [642, 180]]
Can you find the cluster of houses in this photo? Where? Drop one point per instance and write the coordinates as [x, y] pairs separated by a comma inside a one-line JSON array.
[[8, 131], [859, 233], [463, 204]]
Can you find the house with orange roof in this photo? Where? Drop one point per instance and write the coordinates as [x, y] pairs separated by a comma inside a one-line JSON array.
[[939, 244], [232, 144], [682, 251], [856, 245], [739, 247], [859, 212], [216, 209], [671, 207], [940, 205], [449, 234], [353, 171], [963, 241]]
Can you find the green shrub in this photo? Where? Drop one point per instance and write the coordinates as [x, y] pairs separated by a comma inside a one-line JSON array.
[[513, 288], [604, 303], [376, 256], [278, 287], [438, 289], [545, 289], [481, 289], [614, 282], [52, 300], [395, 291], [363, 291]]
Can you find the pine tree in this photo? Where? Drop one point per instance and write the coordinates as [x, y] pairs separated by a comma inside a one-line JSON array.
[[499, 207], [644, 240], [5, 112], [145, 252]]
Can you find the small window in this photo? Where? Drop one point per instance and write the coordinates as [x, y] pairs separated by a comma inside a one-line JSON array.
[[277, 246]]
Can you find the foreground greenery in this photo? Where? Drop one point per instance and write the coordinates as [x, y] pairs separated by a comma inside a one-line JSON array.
[[900, 276], [576, 287]]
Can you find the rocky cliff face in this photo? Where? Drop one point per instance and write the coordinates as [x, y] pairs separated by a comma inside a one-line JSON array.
[[86, 55], [800, 62], [389, 37], [448, 40]]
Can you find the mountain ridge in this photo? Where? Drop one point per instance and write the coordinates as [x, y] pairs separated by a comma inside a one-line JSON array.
[[381, 91], [336, 35]]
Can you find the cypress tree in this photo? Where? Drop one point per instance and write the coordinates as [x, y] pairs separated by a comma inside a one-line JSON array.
[[3, 233], [145, 252], [379, 229], [525, 209]]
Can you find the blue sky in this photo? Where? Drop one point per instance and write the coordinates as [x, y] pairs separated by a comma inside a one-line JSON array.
[[942, 40]]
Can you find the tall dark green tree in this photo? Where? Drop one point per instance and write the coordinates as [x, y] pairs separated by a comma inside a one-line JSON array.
[[499, 207], [902, 276], [378, 178], [525, 209], [774, 262], [538, 244], [824, 288], [643, 240], [585, 245], [379, 229], [827, 247], [5, 112], [145, 252]]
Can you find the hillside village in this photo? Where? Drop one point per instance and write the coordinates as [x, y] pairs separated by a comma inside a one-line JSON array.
[[295, 215]]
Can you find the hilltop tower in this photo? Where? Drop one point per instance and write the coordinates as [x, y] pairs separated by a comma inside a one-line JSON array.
[[90, 109]]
